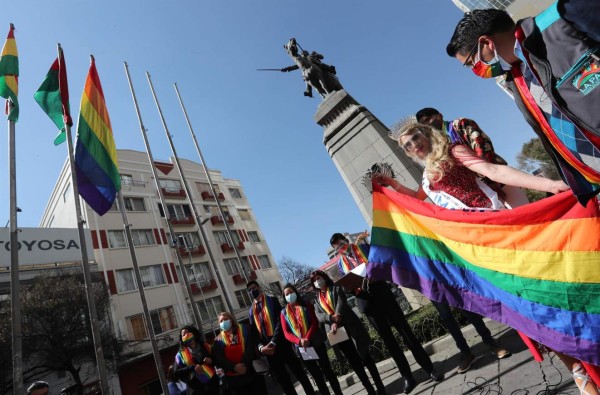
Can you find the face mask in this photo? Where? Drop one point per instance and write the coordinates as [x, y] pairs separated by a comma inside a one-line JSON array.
[[319, 284], [225, 325], [494, 68], [255, 293], [291, 298]]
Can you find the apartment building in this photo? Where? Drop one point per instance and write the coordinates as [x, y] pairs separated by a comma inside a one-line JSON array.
[[215, 285]]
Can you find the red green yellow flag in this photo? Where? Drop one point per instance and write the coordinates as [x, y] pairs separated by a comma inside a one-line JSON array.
[[9, 73], [53, 96]]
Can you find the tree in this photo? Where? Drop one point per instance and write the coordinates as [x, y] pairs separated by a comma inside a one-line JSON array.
[[294, 272], [56, 327], [534, 158]]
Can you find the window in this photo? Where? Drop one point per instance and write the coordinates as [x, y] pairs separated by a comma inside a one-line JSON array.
[[116, 239], [253, 236], [235, 193], [243, 298], [170, 185], [188, 240], [222, 237], [162, 320], [232, 266], [244, 214], [179, 211], [210, 308], [142, 237], [138, 327], [126, 179], [199, 273], [134, 204], [203, 187], [152, 276], [264, 261], [66, 192], [276, 287], [125, 281]]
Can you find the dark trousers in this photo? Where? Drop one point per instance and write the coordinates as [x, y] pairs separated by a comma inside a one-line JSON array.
[[284, 355], [454, 329], [383, 312], [321, 368], [358, 365], [250, 383]]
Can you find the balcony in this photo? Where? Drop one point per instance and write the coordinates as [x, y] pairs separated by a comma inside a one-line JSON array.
[[218, 220], [173, 192], [182, 220], [132, 183], [209, 196], [193, 250], [239, 279], [226, 247], [204, 286]]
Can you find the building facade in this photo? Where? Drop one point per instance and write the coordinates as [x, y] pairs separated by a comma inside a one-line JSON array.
[[517, 9], [170, 309]]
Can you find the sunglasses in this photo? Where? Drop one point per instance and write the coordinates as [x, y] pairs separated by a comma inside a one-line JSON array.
[[410, 144]]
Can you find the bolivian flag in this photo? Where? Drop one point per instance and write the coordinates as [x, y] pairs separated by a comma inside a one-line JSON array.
[[9, 73]]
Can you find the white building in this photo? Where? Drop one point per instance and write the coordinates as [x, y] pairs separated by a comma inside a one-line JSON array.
[[165, 292], [517, 9]]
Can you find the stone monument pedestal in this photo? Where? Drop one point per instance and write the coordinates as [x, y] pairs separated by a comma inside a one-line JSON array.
[[355, 139]]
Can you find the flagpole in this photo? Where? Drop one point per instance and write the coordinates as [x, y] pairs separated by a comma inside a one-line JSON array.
[[193, 206], [186, 281], [87, 277], [209, 178], [15, 285], [138, 279]]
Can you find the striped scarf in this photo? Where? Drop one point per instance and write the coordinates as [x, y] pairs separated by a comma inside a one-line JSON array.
[[185, 358], [325, 300], [267, 316], [297, 319], [350, 256], [229, 338]]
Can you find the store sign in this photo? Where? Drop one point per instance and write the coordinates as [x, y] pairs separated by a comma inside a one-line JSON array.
[[45, 245]]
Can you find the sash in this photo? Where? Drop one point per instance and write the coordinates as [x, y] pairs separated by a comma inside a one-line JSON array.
[[325, 300], [185, 358], [297, 319], [267, 313]]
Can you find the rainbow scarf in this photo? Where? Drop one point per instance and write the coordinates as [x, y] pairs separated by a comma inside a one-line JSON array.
[[325, 300], [535, 268], [267, 314], [350, 256], [184, 358], [297, 319], [95, 152], [228, 339]]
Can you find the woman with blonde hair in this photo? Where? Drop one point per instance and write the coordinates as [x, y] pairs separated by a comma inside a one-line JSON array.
[[234, 350]]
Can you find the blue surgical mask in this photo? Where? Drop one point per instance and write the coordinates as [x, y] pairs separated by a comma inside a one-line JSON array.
[[225, 325], [291, 298]]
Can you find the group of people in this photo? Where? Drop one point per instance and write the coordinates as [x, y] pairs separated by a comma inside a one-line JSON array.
[[551, 65]]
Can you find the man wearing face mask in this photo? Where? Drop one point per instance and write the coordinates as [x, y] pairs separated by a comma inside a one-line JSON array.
[[264, 316], [551, 65]]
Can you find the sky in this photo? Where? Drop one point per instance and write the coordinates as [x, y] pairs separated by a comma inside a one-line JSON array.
[[253, 126]]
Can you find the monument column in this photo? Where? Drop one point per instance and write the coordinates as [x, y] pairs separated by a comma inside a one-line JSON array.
[[355, 140]]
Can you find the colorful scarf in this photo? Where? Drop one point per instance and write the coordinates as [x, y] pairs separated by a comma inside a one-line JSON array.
[[267, 316], [297, 319], [350, 256], [228, 339], [326, 301], [185, 358]]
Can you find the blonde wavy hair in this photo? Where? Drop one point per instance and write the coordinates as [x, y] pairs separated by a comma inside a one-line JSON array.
[[439, 160]]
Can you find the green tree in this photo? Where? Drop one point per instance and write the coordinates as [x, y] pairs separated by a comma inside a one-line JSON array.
[[534, 158], [56, 327]]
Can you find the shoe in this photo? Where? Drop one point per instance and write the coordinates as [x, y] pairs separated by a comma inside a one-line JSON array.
[[436, 377], [409, 384], [500, 352], [466, 360]]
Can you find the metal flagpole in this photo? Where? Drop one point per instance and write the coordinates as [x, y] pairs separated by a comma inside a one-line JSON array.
[[188, 288], [87, 277], [193, 206], [138, 279], [210, 183], [15, 286]]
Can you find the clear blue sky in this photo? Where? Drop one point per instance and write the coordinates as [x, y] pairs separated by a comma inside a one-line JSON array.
[[253, 126]]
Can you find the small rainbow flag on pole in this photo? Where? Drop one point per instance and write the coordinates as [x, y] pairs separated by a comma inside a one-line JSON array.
[[535, 268], [95, 152], [9, 73]]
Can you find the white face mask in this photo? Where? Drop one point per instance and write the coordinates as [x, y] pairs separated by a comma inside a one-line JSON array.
[[319, 284]]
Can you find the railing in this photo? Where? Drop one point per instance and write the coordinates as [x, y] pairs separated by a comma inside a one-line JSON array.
[[132, 183], [173, 192], [206, 195], [239, 278], [204, 286], [192, 250], [182, 220], [217, 219]]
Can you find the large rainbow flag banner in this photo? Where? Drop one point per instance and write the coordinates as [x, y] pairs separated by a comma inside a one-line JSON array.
[[95, 152], [535, 268]]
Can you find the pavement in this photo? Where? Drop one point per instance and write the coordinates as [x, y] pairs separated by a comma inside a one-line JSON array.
[[518, 374]]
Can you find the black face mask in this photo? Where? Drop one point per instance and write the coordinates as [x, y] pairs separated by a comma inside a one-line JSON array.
[[255, 293]]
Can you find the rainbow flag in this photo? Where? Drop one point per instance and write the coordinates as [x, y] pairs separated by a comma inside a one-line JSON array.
[[535, 268], [9, 73], [95, 152]]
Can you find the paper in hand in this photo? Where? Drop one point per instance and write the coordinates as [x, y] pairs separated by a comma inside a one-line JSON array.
[[308, 353], [340, 336]]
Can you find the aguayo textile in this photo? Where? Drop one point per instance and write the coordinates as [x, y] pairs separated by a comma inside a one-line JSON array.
[[535, 268]]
